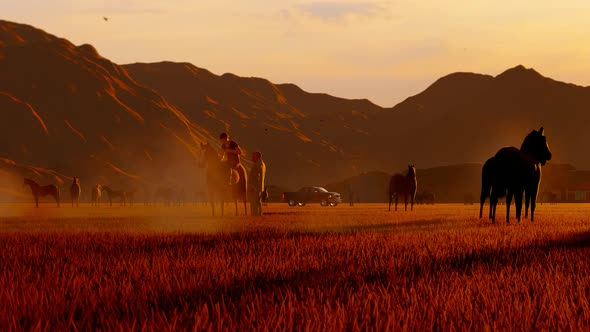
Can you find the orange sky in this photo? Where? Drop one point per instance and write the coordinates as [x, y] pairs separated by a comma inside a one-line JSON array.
[[381, 50]]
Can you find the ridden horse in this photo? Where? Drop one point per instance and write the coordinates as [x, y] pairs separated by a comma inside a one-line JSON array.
[[512, 172], [115, 194], [40, 191], [404, 185], [221, 180], [75, 191], [96, 194]]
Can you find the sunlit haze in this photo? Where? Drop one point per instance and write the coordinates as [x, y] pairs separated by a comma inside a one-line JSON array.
[[380, 50]]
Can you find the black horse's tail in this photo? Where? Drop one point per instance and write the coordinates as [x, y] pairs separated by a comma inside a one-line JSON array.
[[486, 183]]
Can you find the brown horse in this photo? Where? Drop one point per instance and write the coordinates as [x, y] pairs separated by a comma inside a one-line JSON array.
[[403, 185], [221, 181], [40, 191], [120, 194], [75, 191]]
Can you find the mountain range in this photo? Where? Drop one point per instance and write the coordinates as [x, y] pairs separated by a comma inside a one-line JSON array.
[[68, 111]]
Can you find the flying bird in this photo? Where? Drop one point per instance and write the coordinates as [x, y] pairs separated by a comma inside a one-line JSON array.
[[105, 18]]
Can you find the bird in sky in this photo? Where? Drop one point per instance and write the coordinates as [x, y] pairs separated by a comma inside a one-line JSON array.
[[105, 18]]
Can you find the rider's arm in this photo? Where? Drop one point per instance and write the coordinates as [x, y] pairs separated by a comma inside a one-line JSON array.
[[235, 150]]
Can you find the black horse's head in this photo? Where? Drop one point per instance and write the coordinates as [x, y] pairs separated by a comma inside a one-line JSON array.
[[535, 145], [411, 171]]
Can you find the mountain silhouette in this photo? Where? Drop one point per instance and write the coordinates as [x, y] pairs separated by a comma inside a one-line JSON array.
[[67, 110], [304, 136]]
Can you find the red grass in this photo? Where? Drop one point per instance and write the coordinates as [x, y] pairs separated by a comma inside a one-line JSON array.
[[430, 273]]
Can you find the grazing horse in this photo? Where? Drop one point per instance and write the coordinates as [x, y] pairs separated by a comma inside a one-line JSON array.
[[75, 191], [40, 191], [221, 181], [115, 194], [96, 194], [403, 185], [512, 172]]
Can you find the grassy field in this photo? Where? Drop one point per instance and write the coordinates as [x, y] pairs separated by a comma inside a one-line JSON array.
[[352, 268]]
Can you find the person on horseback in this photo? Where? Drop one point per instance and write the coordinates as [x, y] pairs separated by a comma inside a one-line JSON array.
[[231, 152]]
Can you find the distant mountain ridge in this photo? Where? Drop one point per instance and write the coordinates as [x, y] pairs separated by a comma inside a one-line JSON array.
[[68, 111]]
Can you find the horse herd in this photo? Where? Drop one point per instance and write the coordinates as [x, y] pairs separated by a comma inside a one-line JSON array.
[[222, 183], [511, 173], [76, 190]]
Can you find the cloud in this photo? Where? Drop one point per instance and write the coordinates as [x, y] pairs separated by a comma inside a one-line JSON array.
[[333, 10]]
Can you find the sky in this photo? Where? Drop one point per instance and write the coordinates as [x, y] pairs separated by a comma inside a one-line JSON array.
[[385, 51]]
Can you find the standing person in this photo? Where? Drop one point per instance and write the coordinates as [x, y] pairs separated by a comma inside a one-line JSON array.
[[256, 184]]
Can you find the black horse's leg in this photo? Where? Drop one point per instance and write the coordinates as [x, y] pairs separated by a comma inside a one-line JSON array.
[[406, 202], [36, 201], [482, 200], [396, 202], [412, 203], [390, 202], [491, 206], [518, 203], [533, 203], [509, 195], [527, 198]]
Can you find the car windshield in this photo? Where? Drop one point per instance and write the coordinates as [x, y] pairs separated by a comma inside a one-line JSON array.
[[320, 189]]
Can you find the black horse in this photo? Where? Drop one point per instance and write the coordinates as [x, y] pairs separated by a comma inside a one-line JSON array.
[[512, 172]]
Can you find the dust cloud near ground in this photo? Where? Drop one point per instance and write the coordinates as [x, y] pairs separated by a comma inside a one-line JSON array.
[[196, 218]]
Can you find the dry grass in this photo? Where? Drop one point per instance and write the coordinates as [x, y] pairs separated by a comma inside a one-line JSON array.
[[298, 268]]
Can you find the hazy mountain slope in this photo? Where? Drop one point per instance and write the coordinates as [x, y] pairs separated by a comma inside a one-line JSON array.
[[66, 108]]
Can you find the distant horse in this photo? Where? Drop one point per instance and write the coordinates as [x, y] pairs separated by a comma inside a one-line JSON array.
[[424, 197], [130, 196], [221, 181], [165, 195], [40, 191], [403, 185], [96, 195], [75, 191], [114, 194], [512, 172]]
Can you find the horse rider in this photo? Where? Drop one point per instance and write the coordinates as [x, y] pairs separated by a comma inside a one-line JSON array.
[[231, 152]]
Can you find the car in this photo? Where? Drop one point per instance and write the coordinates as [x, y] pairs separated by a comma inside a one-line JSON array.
[[312, 195]]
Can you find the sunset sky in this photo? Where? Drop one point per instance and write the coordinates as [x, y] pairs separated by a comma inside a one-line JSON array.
[[381, 50]]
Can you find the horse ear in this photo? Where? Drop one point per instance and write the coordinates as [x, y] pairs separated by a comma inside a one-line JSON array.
[[541, 131]]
